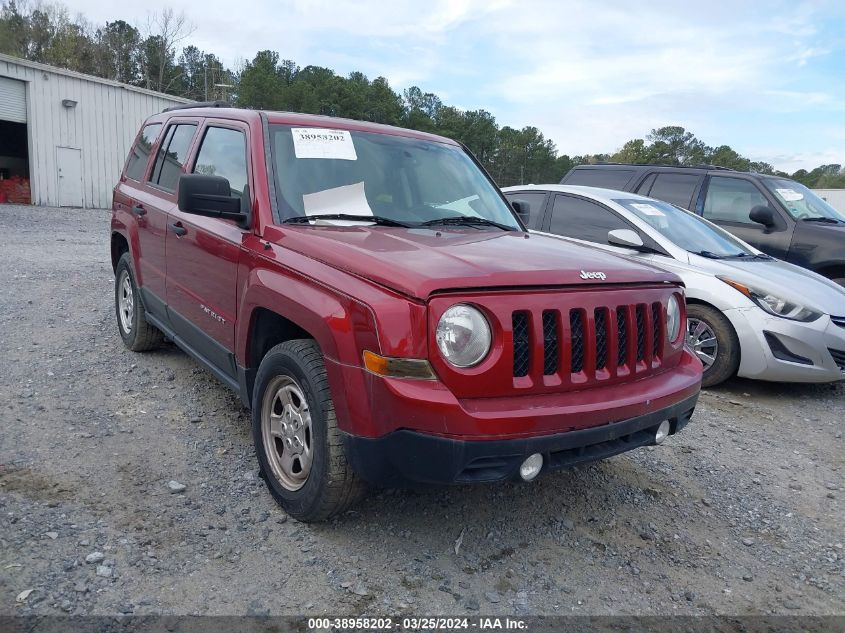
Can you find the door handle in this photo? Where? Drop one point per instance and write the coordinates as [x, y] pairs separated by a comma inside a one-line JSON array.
[[177, 228], [139, 210]]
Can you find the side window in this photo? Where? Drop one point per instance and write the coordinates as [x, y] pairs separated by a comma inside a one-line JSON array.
[[536, 202], [731, 200], [171, 155], [223, 153], [675, 188], [599, 177], [141, 151], [646, 184], [584, 219]]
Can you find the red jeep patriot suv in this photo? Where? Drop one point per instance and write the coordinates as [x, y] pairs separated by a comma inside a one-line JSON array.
[[371, 295]]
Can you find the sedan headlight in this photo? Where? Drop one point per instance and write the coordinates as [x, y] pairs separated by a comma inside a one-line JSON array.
[[774, 304], [463, 335], [673, 318]]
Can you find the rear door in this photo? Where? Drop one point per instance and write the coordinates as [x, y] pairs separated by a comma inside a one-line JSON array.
[[203, 253], [148, 248], [728, 200], [152, 200]]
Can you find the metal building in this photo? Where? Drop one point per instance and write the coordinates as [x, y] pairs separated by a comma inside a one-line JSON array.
[[64, 136], [834, 197]]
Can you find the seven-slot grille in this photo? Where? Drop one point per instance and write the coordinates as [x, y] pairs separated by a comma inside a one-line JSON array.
[[601, 340]]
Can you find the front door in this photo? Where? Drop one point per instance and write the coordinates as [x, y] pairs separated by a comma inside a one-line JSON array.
[[203, 253], [69, 165], [728, 203]]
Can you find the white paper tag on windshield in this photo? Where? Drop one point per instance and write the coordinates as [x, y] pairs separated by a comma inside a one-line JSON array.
[[349, 200], [790, 195], [315, 142], [648, 209]]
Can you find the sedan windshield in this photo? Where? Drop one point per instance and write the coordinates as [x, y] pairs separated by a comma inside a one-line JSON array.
[[801, 202], [347, 176], [686, 230]]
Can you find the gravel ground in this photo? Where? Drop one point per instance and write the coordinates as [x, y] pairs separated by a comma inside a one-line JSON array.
[[739, 514]]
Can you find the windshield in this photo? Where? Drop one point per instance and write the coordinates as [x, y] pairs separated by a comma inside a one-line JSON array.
[[686, 230], [801, 202], [405, 181]]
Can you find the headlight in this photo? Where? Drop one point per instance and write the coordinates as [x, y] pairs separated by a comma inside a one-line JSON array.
[[463, 335], [774, 304], [673, 318]]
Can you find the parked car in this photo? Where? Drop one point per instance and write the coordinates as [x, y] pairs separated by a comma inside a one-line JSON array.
[[776, 215], [748, 314], [331, 273]]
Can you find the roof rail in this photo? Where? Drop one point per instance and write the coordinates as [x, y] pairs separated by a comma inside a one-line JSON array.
[[199, 104], [661, 165]]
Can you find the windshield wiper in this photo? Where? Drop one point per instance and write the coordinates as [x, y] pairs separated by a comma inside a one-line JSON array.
[[709, 254], [375, 219], [824, 219], [466, 220]]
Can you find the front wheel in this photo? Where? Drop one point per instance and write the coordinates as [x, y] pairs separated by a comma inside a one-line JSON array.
[[299, 447], [713, 340]]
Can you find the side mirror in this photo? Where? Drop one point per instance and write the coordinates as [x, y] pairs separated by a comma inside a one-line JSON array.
[[761, 214], [210, 196], [522, 210], [626, 238]]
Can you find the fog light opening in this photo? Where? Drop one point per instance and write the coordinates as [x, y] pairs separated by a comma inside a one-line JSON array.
[[662, 432], [531, 467]]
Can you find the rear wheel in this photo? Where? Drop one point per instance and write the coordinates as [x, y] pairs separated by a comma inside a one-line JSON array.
[[137, 334], [299, 447], [713, 340]]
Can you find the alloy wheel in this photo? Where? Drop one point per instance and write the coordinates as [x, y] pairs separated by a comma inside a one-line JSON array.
[[702, 339], [287, 433]]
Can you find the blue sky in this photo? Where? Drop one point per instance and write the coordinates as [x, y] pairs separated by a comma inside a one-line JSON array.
[[767, 78]]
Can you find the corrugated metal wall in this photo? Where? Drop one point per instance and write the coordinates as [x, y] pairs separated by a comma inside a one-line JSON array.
[[834, 197], [102, 125]]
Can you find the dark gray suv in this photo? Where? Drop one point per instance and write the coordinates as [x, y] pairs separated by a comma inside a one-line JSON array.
[[779, 216]]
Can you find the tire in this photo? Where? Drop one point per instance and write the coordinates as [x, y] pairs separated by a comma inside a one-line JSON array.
[[726, 350], [299, 448], [137, 334]]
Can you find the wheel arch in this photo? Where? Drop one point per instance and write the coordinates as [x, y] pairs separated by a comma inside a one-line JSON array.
[[832, 271], [707, 304], [119, 246]]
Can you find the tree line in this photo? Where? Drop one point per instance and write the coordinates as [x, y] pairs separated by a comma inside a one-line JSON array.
[[157, 56]]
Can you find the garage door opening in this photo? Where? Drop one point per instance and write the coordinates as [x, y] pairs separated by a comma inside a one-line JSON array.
[[14, 163]]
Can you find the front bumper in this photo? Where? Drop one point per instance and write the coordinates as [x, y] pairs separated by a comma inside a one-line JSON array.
[[802, 350], [404, 457]]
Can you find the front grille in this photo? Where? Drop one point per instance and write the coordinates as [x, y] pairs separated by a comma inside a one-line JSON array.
[[576, 326], [590, 340], [521, 344], [601, 338], [656, 331], [640, 332], [551, 353], [838, 358], [621, 336]]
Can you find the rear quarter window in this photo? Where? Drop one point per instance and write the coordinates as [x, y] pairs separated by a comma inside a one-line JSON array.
[[604, 178], [136, 165]]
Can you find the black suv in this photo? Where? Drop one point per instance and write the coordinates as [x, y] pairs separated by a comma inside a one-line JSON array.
[[776, 215]]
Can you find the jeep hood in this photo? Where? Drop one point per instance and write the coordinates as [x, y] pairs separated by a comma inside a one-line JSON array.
[[420, 262]]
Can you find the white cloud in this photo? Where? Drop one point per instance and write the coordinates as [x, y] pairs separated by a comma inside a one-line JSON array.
[[590, 75]]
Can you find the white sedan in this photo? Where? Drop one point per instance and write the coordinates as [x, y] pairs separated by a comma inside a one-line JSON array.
[[748, 314]]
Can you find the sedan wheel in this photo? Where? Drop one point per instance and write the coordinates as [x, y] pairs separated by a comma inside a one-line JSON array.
[[713, 340], [702, 340]]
